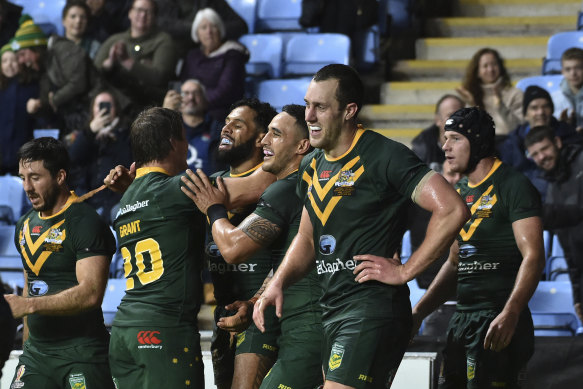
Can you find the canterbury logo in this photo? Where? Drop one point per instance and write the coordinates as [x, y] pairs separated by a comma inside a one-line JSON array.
[[148, 337]]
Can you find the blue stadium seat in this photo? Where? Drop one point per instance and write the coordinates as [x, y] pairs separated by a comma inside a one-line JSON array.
[[558, 43], [400, 11], [46, 13], [547, 242], [552, 309], [550, 82], [306, 54], [283, 92], [278, 15], [367, 46], [556, 249], [247, 10], [114, 292], [558, 269], [12, 195], [266, 54], [7, 247], [406, 246]]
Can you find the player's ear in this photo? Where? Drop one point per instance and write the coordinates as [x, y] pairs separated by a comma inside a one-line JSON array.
[[303, 146], [350, 111], [61, 177]]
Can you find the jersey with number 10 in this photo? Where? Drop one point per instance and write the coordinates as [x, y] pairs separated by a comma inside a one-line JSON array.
[[357, 205], [160, 234]]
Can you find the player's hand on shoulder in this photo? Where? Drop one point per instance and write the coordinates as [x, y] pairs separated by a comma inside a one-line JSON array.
[[375, 268], [241, 320], [202, 192], [120, 178]]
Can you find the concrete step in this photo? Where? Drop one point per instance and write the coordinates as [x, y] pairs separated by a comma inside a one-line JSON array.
[[427, 70], [519, 7], [401, 122], [403, 135], [500, 26], [416, 92], [509, 47]]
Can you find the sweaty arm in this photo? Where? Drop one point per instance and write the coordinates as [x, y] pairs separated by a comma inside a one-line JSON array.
[[236, 244], [528, 236], [88, 294], [297, 262], [448, 215]]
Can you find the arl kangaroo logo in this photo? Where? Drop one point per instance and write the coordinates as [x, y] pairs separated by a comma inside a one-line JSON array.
[[148, 337]]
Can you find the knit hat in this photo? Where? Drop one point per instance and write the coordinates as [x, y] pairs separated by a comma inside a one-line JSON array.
[[28, 35], [535, 92], [7, 47], [476, 125]]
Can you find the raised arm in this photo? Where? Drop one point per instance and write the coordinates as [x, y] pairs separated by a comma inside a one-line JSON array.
[[88, 294], [448, 215], [529, 238]]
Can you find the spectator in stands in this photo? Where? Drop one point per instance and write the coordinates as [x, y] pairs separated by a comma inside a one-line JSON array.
[[569, 99], [64, 73], [16, 124], [218, 64], [538, 111], [176, 18], [563, 212], [75, 16], [487, 84], [427, 145], [9, 15], [140, 61], [104, 143], [108, 17], [202, 131]]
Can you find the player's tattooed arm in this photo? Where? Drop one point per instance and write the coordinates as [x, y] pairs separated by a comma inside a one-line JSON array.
[[261, 230]]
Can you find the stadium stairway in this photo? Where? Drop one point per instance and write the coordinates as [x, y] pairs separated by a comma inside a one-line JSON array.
[[518, 29]]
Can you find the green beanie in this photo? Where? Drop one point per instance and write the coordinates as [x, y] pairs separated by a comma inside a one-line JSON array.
[[28, 35], [7, 47]]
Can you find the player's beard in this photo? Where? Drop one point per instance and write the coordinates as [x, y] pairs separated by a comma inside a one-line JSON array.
[[237, 154], [49, 200]]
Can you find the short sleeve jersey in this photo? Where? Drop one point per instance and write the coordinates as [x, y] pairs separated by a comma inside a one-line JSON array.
[[160, 234], [236, 281], [357, 205], [50, 248], [281, 206], [489, 258]]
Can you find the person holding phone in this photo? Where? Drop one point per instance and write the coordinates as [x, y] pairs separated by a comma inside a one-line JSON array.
[[93, 151]]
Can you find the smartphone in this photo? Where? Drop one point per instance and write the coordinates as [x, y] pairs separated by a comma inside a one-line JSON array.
[[105, 105], [175, 85]]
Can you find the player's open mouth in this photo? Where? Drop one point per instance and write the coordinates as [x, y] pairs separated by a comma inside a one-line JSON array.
[[315, 129], [267, 153], [225, 142]]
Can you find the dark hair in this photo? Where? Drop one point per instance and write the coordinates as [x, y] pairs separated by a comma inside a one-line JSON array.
[[573, 53], [350, 87], [264, 112], [151, 133], [52, 152], [471, 80], [538, 134], [445, 97], [154, 6], [298, 112], [76, 3]]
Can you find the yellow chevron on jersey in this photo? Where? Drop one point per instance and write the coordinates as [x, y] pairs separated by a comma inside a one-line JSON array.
[[52, 233], [484, 200], [343, 176]]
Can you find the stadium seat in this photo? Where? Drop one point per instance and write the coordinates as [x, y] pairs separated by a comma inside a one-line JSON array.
[[266, 54], [46, 13], [12, 195], [406, 246], [550, 82], [367, 46], [556, 248], [7, 247], [247, 10], [306, 54], [558, 269], [282, 92], [558, 43], [114, 292], [400, 11], [552, 309], [278, 15]]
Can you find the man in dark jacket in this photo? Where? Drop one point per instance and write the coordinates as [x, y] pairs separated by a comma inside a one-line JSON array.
[[563, 210]]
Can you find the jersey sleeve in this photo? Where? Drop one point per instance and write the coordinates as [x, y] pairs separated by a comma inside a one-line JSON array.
[[279, 204], [90, 235], [403, 169], [302, 184], [522, 198]]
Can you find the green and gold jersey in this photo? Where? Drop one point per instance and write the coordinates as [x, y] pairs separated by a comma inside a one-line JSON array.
[[50, 248], [236, 281], [280, 205], [357, 205], [489, 258], [160, 234]]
